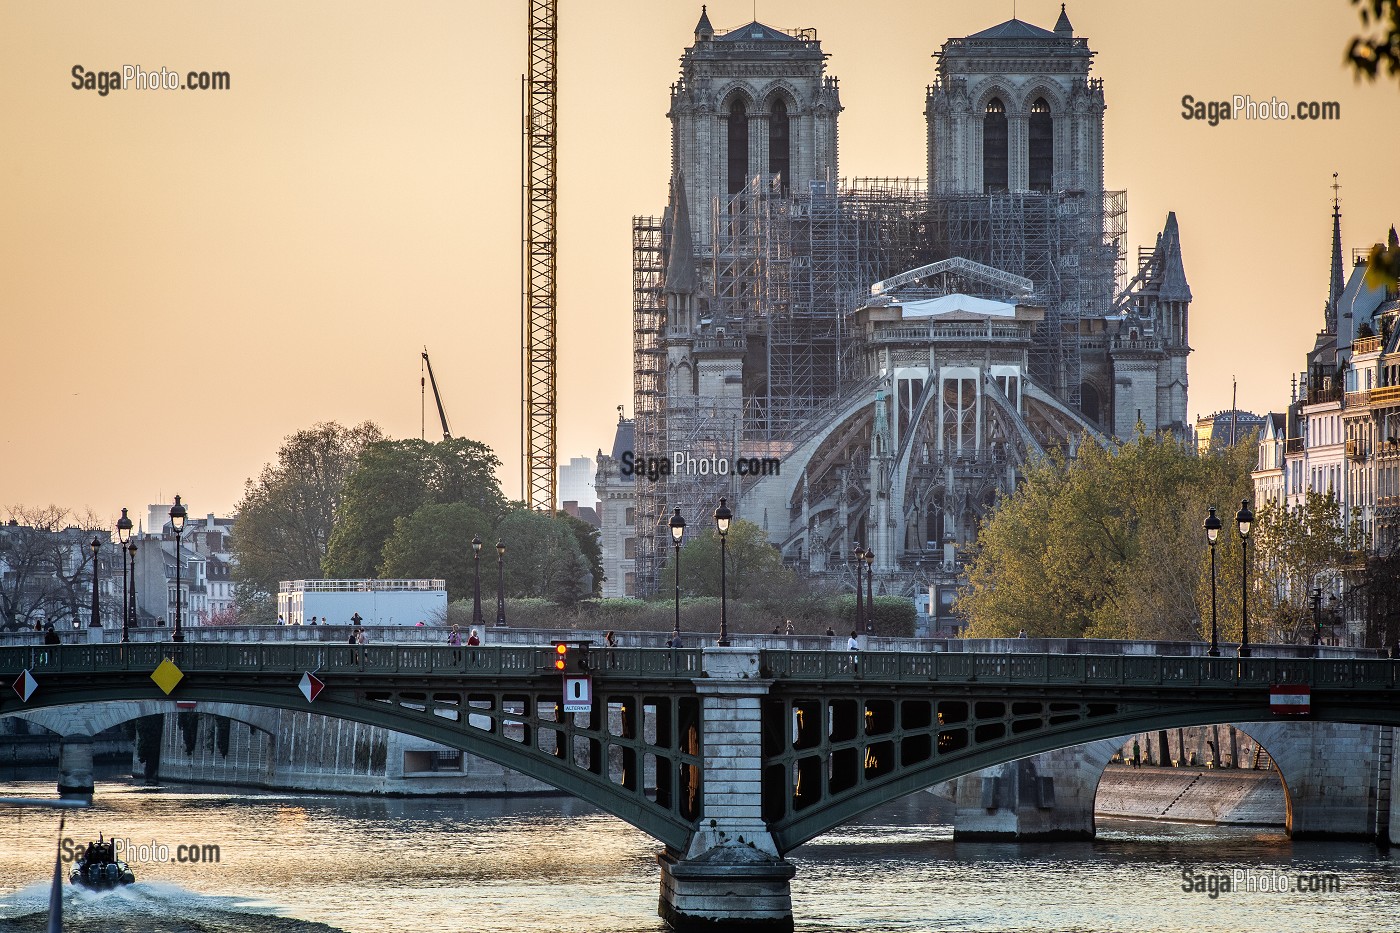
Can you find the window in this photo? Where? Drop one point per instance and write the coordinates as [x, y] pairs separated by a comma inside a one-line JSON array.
[[629, 549], [1042, 146], [738, 146], [631, 518], [994, 147], [779, 145]]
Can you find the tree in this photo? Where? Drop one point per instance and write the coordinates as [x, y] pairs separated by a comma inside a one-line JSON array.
[[286, 515], [45, 565], [587, 537], [1296, 549], [1369, 55], [755, 568], [392, 480], [542, 558], [1107, 545], [435, 542]]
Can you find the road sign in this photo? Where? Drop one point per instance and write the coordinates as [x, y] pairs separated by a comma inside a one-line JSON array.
[[25, 685], [311, 686], [578, 693], [1290, 699]]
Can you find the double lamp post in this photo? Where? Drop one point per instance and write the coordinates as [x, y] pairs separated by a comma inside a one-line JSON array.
[[1244, 521]]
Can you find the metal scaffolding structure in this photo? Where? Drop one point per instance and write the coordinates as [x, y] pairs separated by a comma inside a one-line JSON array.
[[648, 381]]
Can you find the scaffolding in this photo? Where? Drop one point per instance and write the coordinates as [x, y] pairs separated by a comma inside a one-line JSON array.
[[648, 382]]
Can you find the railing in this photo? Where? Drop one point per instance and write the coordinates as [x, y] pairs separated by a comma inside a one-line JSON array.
[[1317, 396], [233, 657], [360, 586], [1087, 670], [1294, 445], [1357, 449], [1365, 345], [1358, 399], [1385, 395], [1141, 343]]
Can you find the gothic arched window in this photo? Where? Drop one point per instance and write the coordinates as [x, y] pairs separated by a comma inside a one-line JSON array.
[[994, 147], [1042, 146], [779, 144], [738, 146]]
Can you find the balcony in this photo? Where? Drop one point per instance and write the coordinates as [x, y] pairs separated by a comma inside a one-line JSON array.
[[1358, 399], [1365, 345], [1385, 395], [1294, 445], [1357, 450]]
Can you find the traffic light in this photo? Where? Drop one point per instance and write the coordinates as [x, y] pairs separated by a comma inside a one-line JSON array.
[[571, 658]]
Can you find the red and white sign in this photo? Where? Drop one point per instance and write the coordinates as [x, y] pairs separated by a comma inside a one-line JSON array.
[[186, 704], [25, 685], [311, 686], [1290, 699]]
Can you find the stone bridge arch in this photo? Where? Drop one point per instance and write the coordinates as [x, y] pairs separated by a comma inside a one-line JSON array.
[[90, 719]]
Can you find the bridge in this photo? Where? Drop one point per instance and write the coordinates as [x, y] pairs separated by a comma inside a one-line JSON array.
[[730, 757]]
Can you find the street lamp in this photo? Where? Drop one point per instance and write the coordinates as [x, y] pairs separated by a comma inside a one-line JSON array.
[[131, 549], [123, 536], [1212, 532], [677, 533], [860, 584], [96, 545], [177, 524], [476, 585], [500, 583], [870, 591], [722, 519], [1244, 519]]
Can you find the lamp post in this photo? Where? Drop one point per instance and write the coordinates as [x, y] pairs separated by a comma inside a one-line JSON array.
[[177, 524], [860, 585], [500, 583], [1244, 519], [96, 545], [1213, 532], [677, 533], [131, 549], [124, 536], [476, 584], [870, 591], [722, 518]]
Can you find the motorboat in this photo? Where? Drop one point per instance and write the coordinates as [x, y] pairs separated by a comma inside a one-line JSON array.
[[99, 869]]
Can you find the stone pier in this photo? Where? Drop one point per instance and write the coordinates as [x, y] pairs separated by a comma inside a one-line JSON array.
[[75, 766], [731, 876]]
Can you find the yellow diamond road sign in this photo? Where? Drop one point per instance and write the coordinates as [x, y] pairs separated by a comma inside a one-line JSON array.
[[167, 675]]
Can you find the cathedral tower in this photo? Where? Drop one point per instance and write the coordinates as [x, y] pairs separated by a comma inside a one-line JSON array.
[[751, 101]]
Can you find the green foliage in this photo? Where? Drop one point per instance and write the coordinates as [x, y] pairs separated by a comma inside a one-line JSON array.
[[1296, 550], [1378, 52], [435, 542], [755, 569], [543, 558], [1383, 263], [1108, 545], [589, 545], [392, 480], [286, 515]]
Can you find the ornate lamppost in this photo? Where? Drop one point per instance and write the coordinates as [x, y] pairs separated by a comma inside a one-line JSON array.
[[500, 583], [177, 524], [124, 536], [1213, 532], [96, 545], [131, 549], [1244, 520], [477, 618], [870, 591], [722, 519], [677, 533], [860, 585]]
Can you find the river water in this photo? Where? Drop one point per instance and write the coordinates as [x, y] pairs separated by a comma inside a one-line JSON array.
[[295, 864]]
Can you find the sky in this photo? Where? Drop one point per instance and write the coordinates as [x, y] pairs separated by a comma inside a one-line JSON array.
[[187, 277]]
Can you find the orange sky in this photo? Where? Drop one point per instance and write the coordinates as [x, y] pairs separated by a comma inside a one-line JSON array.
[[189, 277]]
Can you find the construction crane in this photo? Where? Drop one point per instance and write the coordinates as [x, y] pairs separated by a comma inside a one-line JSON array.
[[538, 435], [446, 431]]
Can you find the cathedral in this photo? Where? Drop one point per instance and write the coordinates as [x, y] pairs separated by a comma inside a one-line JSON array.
[[892, 351]]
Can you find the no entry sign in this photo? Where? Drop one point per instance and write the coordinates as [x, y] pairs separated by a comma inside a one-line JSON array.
[[1290, 699]]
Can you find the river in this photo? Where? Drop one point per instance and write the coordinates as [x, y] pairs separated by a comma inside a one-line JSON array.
[[298, 864]]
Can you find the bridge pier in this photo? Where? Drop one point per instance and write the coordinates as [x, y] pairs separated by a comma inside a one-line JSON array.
[[75, 767], [731, 876]]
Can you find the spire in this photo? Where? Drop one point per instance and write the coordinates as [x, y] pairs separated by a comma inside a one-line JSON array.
[[1174, 286], [680, 266], [1337, 283], [704, 32], [1062, 26]]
